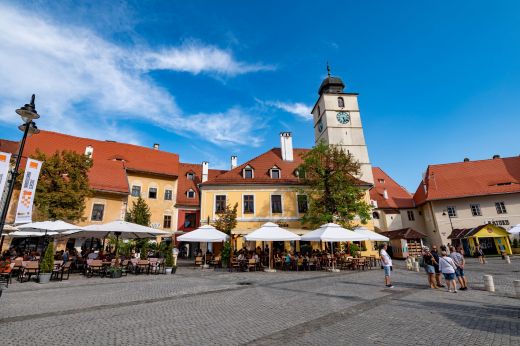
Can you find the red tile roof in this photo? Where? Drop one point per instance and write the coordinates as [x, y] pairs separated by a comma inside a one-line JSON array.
[[472, 178], [8, 146], [398, 196], [184, 184], [111, 159], [261, 166], [404, 233]]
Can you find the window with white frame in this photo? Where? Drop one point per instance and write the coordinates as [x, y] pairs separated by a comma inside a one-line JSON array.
[[275, 173], [501, 208], [341, 102], [276, 204], [248, 172], [411, 216], [452, 211], [249, 204], [167, 222], [220, 203], [190, 193], [190, 176], [168, 195], [97, 212], [136, 191], [152, 193], [475, 209]]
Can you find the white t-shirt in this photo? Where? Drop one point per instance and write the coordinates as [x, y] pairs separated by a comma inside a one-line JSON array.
[[446, 265], [386, 261]]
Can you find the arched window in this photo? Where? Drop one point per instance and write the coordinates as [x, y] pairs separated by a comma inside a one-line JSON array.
[[375, 215], [190, 175], [248, 172], [190, 193], [341, 102]]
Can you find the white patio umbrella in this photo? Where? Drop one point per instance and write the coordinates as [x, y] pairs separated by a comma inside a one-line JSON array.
[[57, 226], [9, 228], [205, 234], [29, 234], [332, 232], [515, 229], [371, 234], [271, 232]]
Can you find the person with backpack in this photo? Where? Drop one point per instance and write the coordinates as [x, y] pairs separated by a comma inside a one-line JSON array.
[[447, 268]]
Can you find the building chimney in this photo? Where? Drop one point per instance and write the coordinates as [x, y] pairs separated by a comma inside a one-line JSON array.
[[286, 146], [156, 146], [205, 170], [89, 151], [466, 159], [385, 194], [496, 156], [234, 161]]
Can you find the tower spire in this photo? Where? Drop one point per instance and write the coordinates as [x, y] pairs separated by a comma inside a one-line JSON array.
[[328, 69]]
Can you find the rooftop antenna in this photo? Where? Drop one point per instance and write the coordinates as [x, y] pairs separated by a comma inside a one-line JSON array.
[[328, 69]]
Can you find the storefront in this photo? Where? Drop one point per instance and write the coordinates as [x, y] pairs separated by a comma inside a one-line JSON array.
[[493, 240], [405, 242]]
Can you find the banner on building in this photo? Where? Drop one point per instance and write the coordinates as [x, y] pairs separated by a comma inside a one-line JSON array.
[[27, 192], [5, 158]]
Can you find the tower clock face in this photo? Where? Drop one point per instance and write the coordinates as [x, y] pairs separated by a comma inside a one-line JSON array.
[[320, 125], [343, 117]]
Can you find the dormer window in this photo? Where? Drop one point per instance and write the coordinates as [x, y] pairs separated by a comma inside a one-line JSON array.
[[341, 102], [248, 172], [381, 181], [190, 193], [190, 176], [275, 173]]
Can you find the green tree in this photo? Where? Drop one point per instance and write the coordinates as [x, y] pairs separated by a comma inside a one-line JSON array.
[[334, 194], [139, 213], [47, 264], [62, 186], [227, 219]]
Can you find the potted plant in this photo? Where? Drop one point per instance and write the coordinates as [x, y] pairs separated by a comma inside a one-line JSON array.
[[168, 260], [115, 272], [225, 254], [47, 264]]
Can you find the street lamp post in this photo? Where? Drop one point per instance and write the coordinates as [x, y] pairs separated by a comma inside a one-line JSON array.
[[28, 113]]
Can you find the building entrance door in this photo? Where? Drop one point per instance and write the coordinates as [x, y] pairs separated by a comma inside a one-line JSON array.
[[488, 246]]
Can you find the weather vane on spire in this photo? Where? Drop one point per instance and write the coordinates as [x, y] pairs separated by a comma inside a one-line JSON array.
[[328, 69]]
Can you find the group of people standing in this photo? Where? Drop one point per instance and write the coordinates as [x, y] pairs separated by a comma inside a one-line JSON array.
[[450, 265]]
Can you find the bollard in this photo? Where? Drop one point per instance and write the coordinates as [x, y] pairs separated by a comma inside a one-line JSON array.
[[416, 265], [508, 260], [516, 285], [488, 283]]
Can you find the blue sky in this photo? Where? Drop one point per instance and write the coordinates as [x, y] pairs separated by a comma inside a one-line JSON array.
[[438, 81]]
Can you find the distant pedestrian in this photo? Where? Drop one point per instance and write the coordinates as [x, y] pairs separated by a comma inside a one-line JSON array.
[[448, 268], [429, 262], [480, 255], [458, 258], [435, 255], [386, 262]]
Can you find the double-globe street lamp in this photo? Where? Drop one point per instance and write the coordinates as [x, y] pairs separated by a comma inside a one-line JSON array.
[[28, 114]]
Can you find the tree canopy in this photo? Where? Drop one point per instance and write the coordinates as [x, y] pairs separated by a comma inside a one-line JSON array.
[[62, 186], [333, 191], [227, 219], [139, 213]]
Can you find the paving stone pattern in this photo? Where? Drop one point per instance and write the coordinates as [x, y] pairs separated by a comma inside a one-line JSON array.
[[197, 307]]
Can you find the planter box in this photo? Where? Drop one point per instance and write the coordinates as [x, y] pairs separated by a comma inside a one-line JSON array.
[[45, 278], [116, 274], [174, 269], [168, 270]]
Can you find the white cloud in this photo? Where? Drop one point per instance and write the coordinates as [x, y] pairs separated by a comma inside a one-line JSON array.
[[196, 58], [86, 85], [297, 108]]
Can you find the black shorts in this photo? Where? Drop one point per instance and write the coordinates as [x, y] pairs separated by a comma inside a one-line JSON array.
[[437, 271]]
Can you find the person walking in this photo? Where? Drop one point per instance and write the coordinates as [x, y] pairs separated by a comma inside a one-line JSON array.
[[386, 262], [480, 255], [458, 259], [429, 262], [447, 268], [435, 255]]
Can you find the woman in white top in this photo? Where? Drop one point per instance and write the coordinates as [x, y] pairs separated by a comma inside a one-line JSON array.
[[447, 268]]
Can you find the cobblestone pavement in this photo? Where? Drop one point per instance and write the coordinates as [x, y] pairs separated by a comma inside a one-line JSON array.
[[197, 307]]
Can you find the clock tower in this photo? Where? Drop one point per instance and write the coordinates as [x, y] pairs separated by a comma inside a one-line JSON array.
[[337, 121]]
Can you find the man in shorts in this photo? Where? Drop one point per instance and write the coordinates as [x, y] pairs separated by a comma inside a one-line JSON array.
[[435, 255], [386, 262], [458, 258]]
